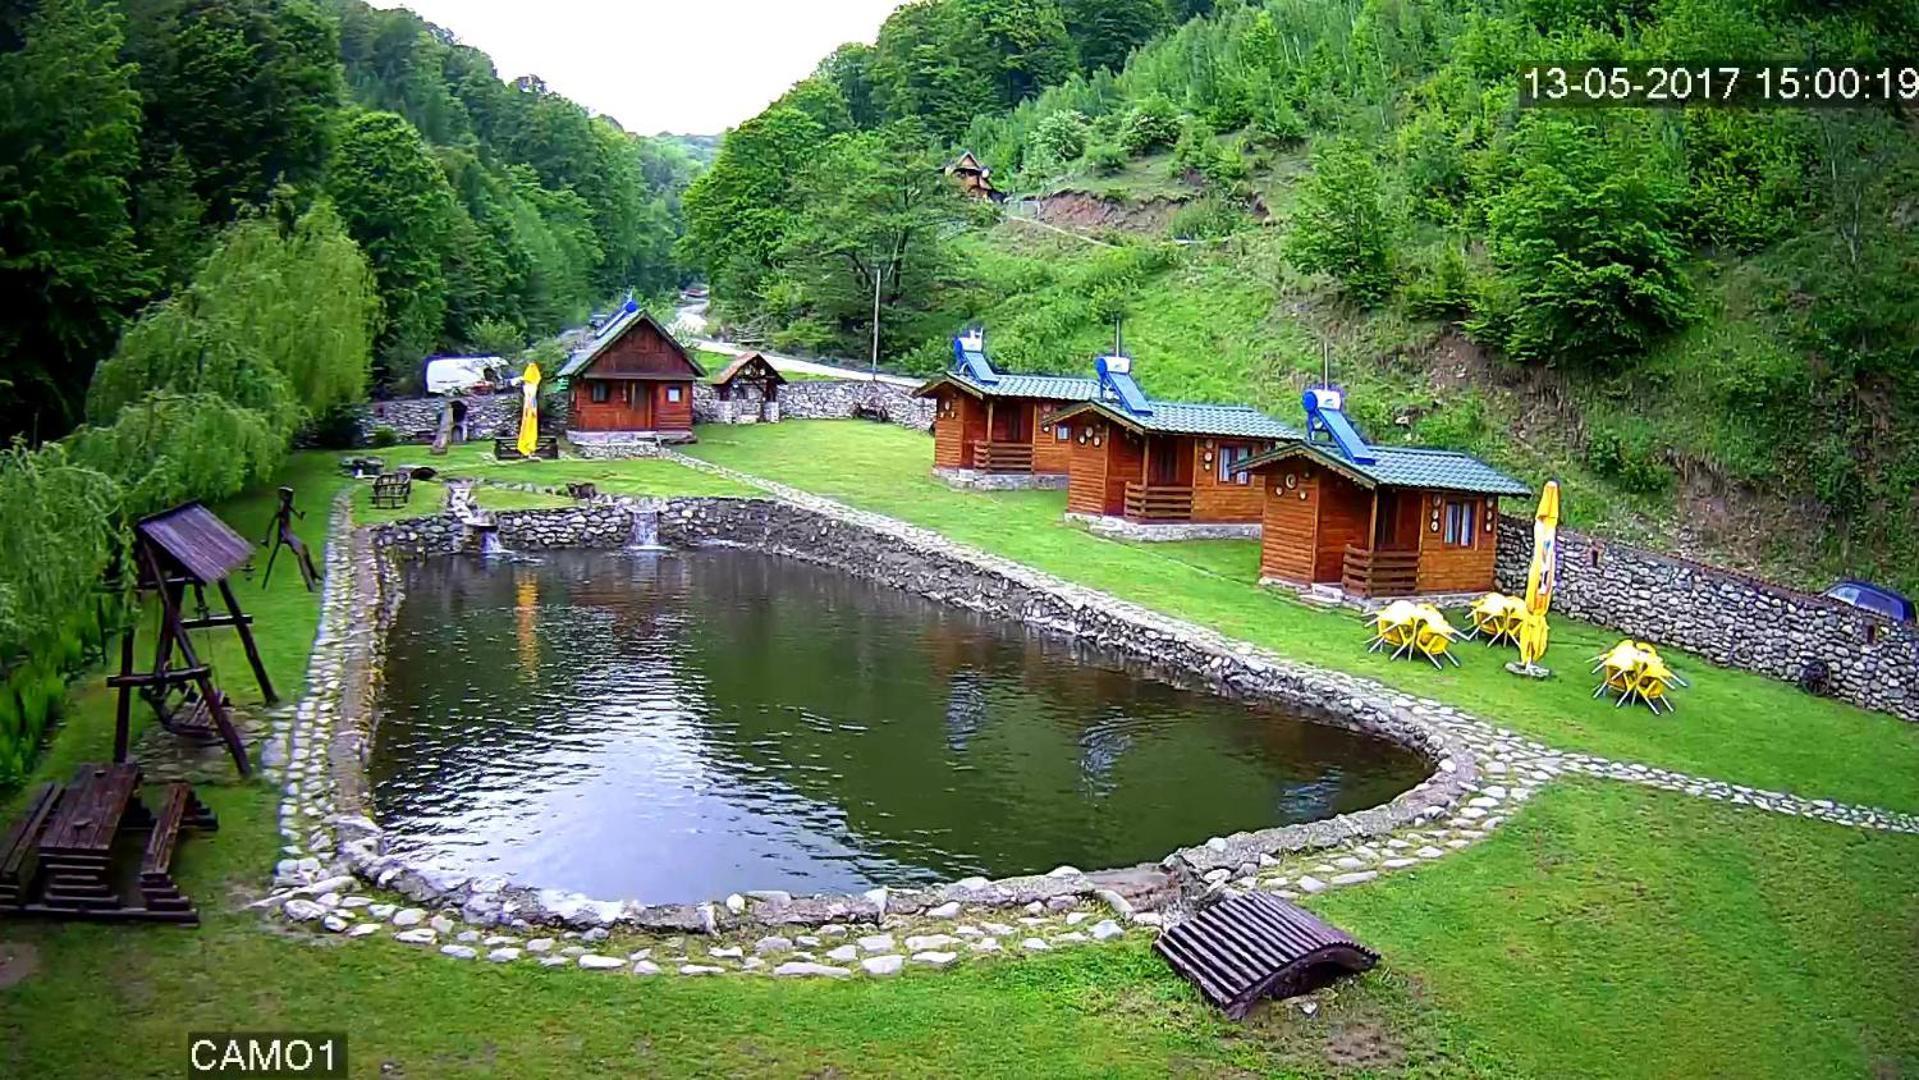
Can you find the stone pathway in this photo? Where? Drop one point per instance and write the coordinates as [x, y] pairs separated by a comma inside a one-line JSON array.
[[312, 885]]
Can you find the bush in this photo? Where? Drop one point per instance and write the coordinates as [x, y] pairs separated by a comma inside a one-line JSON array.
[[1105, 158], [1446, 290], [383, 437], [1275, 124], [1058, 139], [1207, 219], [1629, 456], [1152, 125], [337, 428], [1342, 226]]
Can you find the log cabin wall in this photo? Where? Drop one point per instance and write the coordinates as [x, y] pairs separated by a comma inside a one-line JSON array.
[[642, 350], [1218, 500], [949, 441], [1051, 453], [672, 404], [1125, 464], [1345, 517], [628, 406], [1289, 526], [1086, 468], [1453, 568]]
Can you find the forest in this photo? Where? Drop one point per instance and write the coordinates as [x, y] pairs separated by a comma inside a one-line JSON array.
[[222, 222], [1706, 318]]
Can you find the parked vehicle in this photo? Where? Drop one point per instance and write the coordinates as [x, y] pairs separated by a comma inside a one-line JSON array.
[[1874, 598]]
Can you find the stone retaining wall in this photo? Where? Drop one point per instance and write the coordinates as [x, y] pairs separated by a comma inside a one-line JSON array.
[[1727, 617], [418, 419], [833, 399], [1175, 651]]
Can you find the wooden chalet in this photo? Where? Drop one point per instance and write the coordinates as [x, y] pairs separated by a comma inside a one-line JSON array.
[[988, 421], [974, 179], [1151, 463], [1376, 521], [631, 378], [747, 391]]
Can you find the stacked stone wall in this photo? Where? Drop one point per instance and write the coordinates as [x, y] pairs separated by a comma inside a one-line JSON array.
[[1730, 618]]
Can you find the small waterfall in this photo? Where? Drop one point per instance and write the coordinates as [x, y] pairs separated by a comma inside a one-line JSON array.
[[645, 532], [489, 539]]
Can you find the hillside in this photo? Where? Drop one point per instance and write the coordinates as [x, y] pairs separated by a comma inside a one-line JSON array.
[[1704, 321]]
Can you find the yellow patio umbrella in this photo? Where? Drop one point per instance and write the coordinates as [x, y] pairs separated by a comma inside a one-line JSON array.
[[1540, 578], [530, 410]]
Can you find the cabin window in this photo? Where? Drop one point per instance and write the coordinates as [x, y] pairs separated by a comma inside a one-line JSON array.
[[1459, 523], [673, 394], [1230, 455], [597, 390], [1063, 433]]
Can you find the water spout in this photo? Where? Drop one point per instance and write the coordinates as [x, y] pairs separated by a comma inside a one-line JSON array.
[[644, 534], [490, 540]]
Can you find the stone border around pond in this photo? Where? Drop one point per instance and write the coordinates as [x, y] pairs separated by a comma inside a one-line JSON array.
[[1173, 651], [332, 851]]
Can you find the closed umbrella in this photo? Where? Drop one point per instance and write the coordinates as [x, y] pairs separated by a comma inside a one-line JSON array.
[[530, 411], [1540, 579]]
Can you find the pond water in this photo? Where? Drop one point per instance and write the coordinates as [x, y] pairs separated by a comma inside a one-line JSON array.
[[679, 726]]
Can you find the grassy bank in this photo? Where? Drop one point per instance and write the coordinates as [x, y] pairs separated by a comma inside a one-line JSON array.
[[1605, 931], [1731, 725]]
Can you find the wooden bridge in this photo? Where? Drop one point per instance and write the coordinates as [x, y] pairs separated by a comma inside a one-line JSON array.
[[1254, 946]]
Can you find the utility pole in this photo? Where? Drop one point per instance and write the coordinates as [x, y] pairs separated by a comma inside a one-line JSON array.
[[879, 275]]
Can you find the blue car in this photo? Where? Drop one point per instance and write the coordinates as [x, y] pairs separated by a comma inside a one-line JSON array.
[[1874, 598]]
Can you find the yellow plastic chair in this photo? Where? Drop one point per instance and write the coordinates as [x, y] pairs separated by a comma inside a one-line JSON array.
[[1433, 635], [1395, 625]]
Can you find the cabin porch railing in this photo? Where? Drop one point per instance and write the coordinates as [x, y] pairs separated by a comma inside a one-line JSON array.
[[1158, 503], [1369, 572], [1002, 456]]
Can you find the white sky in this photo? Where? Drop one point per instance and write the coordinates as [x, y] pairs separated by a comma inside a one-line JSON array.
[[692, 67]]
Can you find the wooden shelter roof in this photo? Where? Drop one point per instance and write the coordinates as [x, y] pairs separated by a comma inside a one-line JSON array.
[[1400, 467], [750, 365], [196, 541]]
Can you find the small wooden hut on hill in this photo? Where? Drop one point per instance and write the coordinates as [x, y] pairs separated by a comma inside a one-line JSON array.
[[631, 378], [991, 422], [974, 178], [1162, 469], [1376, 521]]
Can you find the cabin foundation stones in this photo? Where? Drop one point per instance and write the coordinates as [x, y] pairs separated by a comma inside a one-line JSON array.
[[335, 877], [1726, 617]]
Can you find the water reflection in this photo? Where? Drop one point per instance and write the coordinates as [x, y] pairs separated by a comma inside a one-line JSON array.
[[680, 726]]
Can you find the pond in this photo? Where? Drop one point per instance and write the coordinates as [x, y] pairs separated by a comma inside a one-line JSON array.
[[679, 726]]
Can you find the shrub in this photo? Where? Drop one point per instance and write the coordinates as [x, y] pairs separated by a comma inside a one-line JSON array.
[[1105, 158], [1207, 219], [1446, 290], [384, 436], [1629, 456], [1152, 125], [1275, 124], [1341, 225], [1059, 138]]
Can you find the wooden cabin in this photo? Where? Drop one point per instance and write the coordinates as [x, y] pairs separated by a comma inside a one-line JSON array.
[[1377, 521], [1150, 463], [747, 391], [974, 179], [988, 421], [631, 378]]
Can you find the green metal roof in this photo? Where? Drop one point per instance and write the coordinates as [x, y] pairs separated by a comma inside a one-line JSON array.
[[1404, 466], [1046, 387], [1188, 418]]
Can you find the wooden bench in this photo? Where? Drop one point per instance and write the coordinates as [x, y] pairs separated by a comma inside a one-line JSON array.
[[392, 490], [508, 449], [179, 809], [17, 849]]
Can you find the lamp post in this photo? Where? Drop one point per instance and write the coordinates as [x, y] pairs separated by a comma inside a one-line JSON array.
[[879, 275]]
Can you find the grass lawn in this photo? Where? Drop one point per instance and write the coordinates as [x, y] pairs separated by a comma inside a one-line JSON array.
[[1606, 930], [1731, 725]]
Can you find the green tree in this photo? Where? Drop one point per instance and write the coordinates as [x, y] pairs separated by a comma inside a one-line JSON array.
[[68, 138], [874, 212], [1058, 139], [279, 321], [396, 204], [738, 212], [1585, 239], [1341, 224], [1105, 31]]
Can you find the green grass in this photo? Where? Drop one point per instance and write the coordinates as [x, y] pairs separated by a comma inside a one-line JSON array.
[[1731, 725], [644, 476], [1606, 930]]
